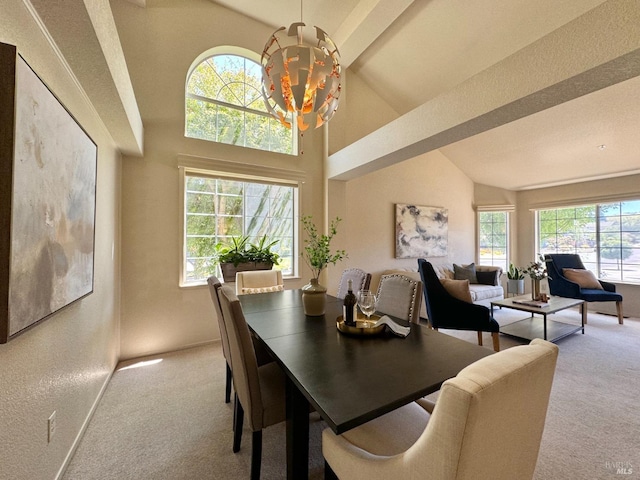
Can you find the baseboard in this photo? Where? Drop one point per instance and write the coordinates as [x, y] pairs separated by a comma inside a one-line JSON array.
[[85, 424]]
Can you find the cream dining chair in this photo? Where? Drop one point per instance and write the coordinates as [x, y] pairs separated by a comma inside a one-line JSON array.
[[259, 281], [487, 424], [260, 390], [360, 280], [214, 284], [400, 297]]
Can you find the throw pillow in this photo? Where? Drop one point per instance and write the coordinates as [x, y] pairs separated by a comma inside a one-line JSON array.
[[465, 272], [584, 278], [458, 289], [487, 278]]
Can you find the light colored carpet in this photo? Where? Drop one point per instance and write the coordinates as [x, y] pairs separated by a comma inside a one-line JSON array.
[[168, 420]]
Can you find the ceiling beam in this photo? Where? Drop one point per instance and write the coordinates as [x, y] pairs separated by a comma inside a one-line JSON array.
[[596, 50], [366, 22], [86, 35]]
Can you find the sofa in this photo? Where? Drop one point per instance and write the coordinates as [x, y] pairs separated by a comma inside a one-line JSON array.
[[481, 293]]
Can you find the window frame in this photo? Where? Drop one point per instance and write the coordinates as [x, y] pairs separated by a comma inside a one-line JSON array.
[[247, 55], [240, 174], [597, 264], [506, 209]]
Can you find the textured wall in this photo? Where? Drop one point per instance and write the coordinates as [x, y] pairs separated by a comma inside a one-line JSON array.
[[368, 230], [63, 363], [157, 314]]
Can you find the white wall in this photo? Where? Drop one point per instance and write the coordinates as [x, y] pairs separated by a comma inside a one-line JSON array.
[[63, 363], [160, 42], [369, 213]]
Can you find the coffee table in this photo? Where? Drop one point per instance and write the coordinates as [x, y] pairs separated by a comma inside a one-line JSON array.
[[531, 327]]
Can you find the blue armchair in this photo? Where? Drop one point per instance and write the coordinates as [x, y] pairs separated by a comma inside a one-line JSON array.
[[446, 311], [563, 287]]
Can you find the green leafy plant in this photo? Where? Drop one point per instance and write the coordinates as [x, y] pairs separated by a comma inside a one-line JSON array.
[[537, 270], [241, 251], [515, 273], [317, 251]]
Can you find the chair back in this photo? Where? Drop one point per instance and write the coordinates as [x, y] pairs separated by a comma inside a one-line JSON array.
[[434, 292], [243, 358], [400, 297], [488, 420], [259, 281], [564, 260], [361, 280], [214, 287]]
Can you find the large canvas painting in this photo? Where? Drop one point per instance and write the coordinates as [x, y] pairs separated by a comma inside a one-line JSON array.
[[49, 247], [421, 231]]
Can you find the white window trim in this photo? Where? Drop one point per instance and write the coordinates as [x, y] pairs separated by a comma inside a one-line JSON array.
[[188, 164], [508, 209], [240, 52]]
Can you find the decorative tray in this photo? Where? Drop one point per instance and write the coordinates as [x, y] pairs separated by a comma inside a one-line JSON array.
[[363, 326]]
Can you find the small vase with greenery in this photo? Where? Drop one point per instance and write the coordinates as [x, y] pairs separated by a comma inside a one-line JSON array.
[[317, 255], [537, 271]]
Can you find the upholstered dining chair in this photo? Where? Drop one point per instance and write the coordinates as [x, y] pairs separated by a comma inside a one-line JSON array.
[[259, 390], [214, 284], [361, 280], [400, 297], [486, 424], [446, 311], [258, 281], [569, 278]]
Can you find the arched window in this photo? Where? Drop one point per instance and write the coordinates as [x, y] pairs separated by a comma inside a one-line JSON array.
[[224, 104]]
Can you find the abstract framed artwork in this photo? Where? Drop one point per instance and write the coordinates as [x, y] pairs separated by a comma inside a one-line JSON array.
[[421, 231], [48, 168]]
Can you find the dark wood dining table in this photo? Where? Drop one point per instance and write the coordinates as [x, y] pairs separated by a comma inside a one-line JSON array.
[[348, 380]]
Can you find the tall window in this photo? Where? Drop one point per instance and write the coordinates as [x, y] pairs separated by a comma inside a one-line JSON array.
[[218, 208], [493, 241], [606, 236], [224, 104]]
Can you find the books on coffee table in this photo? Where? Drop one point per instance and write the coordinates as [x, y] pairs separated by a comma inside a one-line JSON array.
[[532, 303]]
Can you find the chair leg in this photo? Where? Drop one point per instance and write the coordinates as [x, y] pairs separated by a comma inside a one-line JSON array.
[[237, 424], [496, 341], [329, 474], [256, 454], [619, 309], [583, 311], [479, 338], [227, 388]]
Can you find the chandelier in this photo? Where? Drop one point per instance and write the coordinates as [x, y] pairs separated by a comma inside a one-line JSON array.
[[301, 82]]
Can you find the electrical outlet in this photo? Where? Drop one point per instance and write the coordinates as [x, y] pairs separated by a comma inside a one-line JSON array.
[[51, 426]]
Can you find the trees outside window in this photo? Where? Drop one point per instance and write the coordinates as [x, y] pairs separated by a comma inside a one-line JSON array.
[[218, 208], [224, 104], [606, 236]]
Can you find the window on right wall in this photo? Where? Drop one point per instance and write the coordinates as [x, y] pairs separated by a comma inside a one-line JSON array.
[[605, 235]]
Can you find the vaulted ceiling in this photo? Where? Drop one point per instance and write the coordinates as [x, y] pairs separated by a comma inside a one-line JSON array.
[[416, 54], [517, 94]]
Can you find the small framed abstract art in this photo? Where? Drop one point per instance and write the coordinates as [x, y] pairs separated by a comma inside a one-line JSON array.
[[421, 231], [48, 167]]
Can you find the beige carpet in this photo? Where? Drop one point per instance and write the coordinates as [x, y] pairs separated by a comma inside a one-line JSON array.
[[168, 420]]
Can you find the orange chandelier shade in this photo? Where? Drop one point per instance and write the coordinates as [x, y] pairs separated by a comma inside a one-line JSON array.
[[299, 82]]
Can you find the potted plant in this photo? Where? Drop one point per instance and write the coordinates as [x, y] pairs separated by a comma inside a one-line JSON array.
[[515, 280], [240, 256], [317, 255]]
